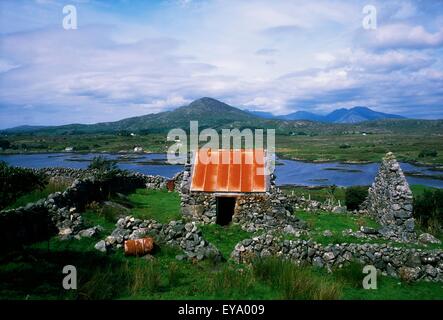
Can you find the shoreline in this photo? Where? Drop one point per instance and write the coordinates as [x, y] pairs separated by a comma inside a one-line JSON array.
[[432, 166]]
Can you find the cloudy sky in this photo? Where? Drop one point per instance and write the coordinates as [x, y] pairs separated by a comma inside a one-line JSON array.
[[129, 58]]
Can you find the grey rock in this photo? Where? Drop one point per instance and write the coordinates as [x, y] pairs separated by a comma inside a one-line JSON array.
[[328, 256], [318, 262], [101, 246], [88, 233], [428, 238]]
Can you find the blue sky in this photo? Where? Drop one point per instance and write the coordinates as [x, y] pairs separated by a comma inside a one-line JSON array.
[[131, 58]]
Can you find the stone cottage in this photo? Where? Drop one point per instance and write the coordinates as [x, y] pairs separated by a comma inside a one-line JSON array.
[[235, 187]]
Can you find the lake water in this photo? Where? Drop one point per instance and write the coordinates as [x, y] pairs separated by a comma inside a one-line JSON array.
[[288, 172]]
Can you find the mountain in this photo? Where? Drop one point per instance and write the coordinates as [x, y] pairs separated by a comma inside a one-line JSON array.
[[353, 115], [358, 114], [207, 111], [25, 128], [211, 113]]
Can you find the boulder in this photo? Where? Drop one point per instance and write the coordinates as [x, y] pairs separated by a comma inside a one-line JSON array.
[[88, 233], [409, 274], [428, 238], [101, 246]]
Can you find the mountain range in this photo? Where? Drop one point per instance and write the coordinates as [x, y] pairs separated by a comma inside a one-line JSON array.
[[211, 113], [353, 115]]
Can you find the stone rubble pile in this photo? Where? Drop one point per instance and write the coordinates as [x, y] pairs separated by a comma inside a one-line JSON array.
[[393, 261], [187, 236]]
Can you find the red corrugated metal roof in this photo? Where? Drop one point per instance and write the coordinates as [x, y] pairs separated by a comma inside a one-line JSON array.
[[229, 171]]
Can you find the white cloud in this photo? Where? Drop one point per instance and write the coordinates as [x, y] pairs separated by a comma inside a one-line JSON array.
[[276, 56], [405, 36]]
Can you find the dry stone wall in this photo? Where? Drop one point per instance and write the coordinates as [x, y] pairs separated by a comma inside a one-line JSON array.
[[60, 211], [410, 264]]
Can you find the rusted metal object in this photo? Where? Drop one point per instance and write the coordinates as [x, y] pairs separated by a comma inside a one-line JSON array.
[[235, 171], [170, 185], [139, 247]]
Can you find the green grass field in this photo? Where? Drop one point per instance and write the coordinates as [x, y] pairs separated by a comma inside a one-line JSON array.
[[160, 205], [35, 272], [360, 148]]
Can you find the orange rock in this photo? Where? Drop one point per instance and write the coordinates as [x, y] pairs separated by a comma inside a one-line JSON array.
[[139, 247]]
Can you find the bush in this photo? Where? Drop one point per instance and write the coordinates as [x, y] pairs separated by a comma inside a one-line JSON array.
[[345, 146], [427, 153], [428, 209], [102, 164], [14, 182], [107, 169], [355, 196], [4, 144]]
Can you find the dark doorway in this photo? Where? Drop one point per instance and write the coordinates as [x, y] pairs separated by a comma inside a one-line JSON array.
[[225, 210]]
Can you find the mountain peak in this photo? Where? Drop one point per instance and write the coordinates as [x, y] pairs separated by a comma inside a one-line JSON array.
[[208, 104], [205, 100], [343, 115]]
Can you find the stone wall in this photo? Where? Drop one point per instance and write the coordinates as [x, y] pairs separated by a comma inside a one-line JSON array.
[[60, 211], [390, 201], [150, 181], [268, 211], [410, 264], [187, 236]]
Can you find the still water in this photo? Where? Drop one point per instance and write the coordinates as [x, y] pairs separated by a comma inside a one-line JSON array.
[[288, 172]]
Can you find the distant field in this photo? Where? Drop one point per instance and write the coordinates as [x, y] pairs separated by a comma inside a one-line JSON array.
[[86, 143], [346, 147], [360, 148]]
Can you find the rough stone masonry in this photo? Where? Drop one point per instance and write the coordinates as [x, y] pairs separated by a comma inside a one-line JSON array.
[[390, 201]]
